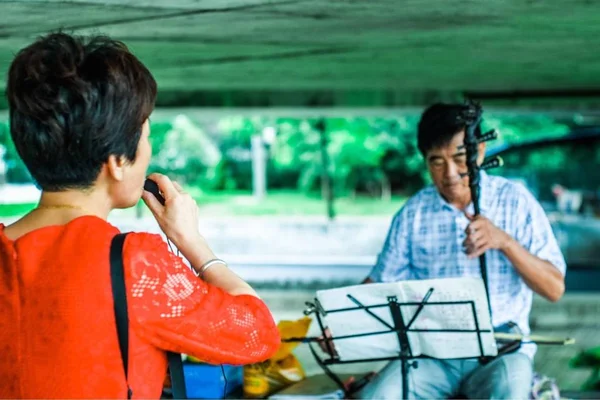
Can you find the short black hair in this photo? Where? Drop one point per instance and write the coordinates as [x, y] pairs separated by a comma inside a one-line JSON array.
[[73, 102], [439, 123]]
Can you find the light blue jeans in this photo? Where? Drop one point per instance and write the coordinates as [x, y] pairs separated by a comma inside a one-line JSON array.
[[506, 377]]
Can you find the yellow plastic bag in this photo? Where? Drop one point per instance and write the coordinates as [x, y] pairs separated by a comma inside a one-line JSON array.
[[281, 370]]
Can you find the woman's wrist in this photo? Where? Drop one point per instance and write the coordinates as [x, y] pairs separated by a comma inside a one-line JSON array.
[[197, 251], [204, 268]]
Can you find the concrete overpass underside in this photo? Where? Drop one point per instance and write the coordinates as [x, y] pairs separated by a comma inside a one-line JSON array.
[[339, 52]]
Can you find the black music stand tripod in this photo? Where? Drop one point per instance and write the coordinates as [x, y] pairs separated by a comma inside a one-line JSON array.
[[399, 326]]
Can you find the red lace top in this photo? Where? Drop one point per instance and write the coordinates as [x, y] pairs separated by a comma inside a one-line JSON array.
[[57, 328]]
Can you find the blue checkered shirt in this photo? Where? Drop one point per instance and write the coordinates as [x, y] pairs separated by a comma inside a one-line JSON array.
[[426, 236]]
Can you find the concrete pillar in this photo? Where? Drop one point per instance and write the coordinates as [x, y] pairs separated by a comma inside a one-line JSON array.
[[259, 168]]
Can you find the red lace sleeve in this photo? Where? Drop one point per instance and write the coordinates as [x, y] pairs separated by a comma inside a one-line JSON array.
[[176, 311]]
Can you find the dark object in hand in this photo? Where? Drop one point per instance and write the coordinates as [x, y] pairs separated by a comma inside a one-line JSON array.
[[152, 187]]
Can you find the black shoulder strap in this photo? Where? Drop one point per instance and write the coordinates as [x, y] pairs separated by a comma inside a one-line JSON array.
[[177, 377], [117, 275]]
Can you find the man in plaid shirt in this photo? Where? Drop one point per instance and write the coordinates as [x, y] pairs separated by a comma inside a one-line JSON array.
[[435, 235]]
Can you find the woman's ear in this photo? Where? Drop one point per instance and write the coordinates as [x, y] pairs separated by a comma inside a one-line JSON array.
[[116, 167]]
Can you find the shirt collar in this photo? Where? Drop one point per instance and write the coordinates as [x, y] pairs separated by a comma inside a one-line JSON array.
[[485, 196]]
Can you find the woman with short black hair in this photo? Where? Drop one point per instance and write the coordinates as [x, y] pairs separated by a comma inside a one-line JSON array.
[[79, 111]]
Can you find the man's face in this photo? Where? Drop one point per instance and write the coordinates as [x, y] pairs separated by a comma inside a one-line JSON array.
[[448, 168]]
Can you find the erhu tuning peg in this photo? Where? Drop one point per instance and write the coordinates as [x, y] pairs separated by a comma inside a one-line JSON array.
[[492, 162], [486, 137]]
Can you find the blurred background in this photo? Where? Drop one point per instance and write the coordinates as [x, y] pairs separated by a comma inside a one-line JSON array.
[[293, 124]]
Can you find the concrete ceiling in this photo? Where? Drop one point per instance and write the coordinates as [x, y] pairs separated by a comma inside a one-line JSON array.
[[387, 51]]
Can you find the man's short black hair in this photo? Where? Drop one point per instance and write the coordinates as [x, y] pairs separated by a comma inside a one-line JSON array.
[[439, 123], [73, 102]]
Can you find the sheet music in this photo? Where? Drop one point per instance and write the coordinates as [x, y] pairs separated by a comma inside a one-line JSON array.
[[384, 343]]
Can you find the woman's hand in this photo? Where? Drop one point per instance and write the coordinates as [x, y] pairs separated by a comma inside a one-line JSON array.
[[178, 218]]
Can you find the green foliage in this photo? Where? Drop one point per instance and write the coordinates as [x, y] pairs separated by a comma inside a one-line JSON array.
[[365, 155], [234, 135], [372, 157], [295, 155], [516, 128], [16, 170], [184, 150], [589, 359]]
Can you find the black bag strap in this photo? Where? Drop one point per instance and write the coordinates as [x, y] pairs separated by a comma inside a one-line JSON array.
[[117, 275], [177, 377]]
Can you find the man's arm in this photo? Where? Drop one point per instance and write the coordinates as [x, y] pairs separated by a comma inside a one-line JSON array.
[[540, 275], [393, 260], [534, 251]]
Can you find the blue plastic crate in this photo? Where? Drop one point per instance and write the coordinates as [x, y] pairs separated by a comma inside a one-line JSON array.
[[204, 381]]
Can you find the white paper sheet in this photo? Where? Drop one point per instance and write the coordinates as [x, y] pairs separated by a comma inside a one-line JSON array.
[[381, 344]]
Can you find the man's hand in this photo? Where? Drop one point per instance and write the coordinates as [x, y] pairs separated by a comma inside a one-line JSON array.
[[483, 235], [325, 346]]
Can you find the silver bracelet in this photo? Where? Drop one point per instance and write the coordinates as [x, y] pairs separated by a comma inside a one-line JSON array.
[[209, 264]]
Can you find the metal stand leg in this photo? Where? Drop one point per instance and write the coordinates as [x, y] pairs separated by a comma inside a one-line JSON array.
[[405, 352], [400, 327], [405, 371]]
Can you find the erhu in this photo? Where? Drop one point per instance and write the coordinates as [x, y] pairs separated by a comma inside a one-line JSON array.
[[508, 336], [471, 117]]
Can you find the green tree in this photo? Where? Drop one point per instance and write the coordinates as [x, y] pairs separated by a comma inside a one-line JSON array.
[[16, 171]]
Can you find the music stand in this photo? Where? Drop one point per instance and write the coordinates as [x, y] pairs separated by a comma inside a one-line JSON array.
[[399, 325]]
